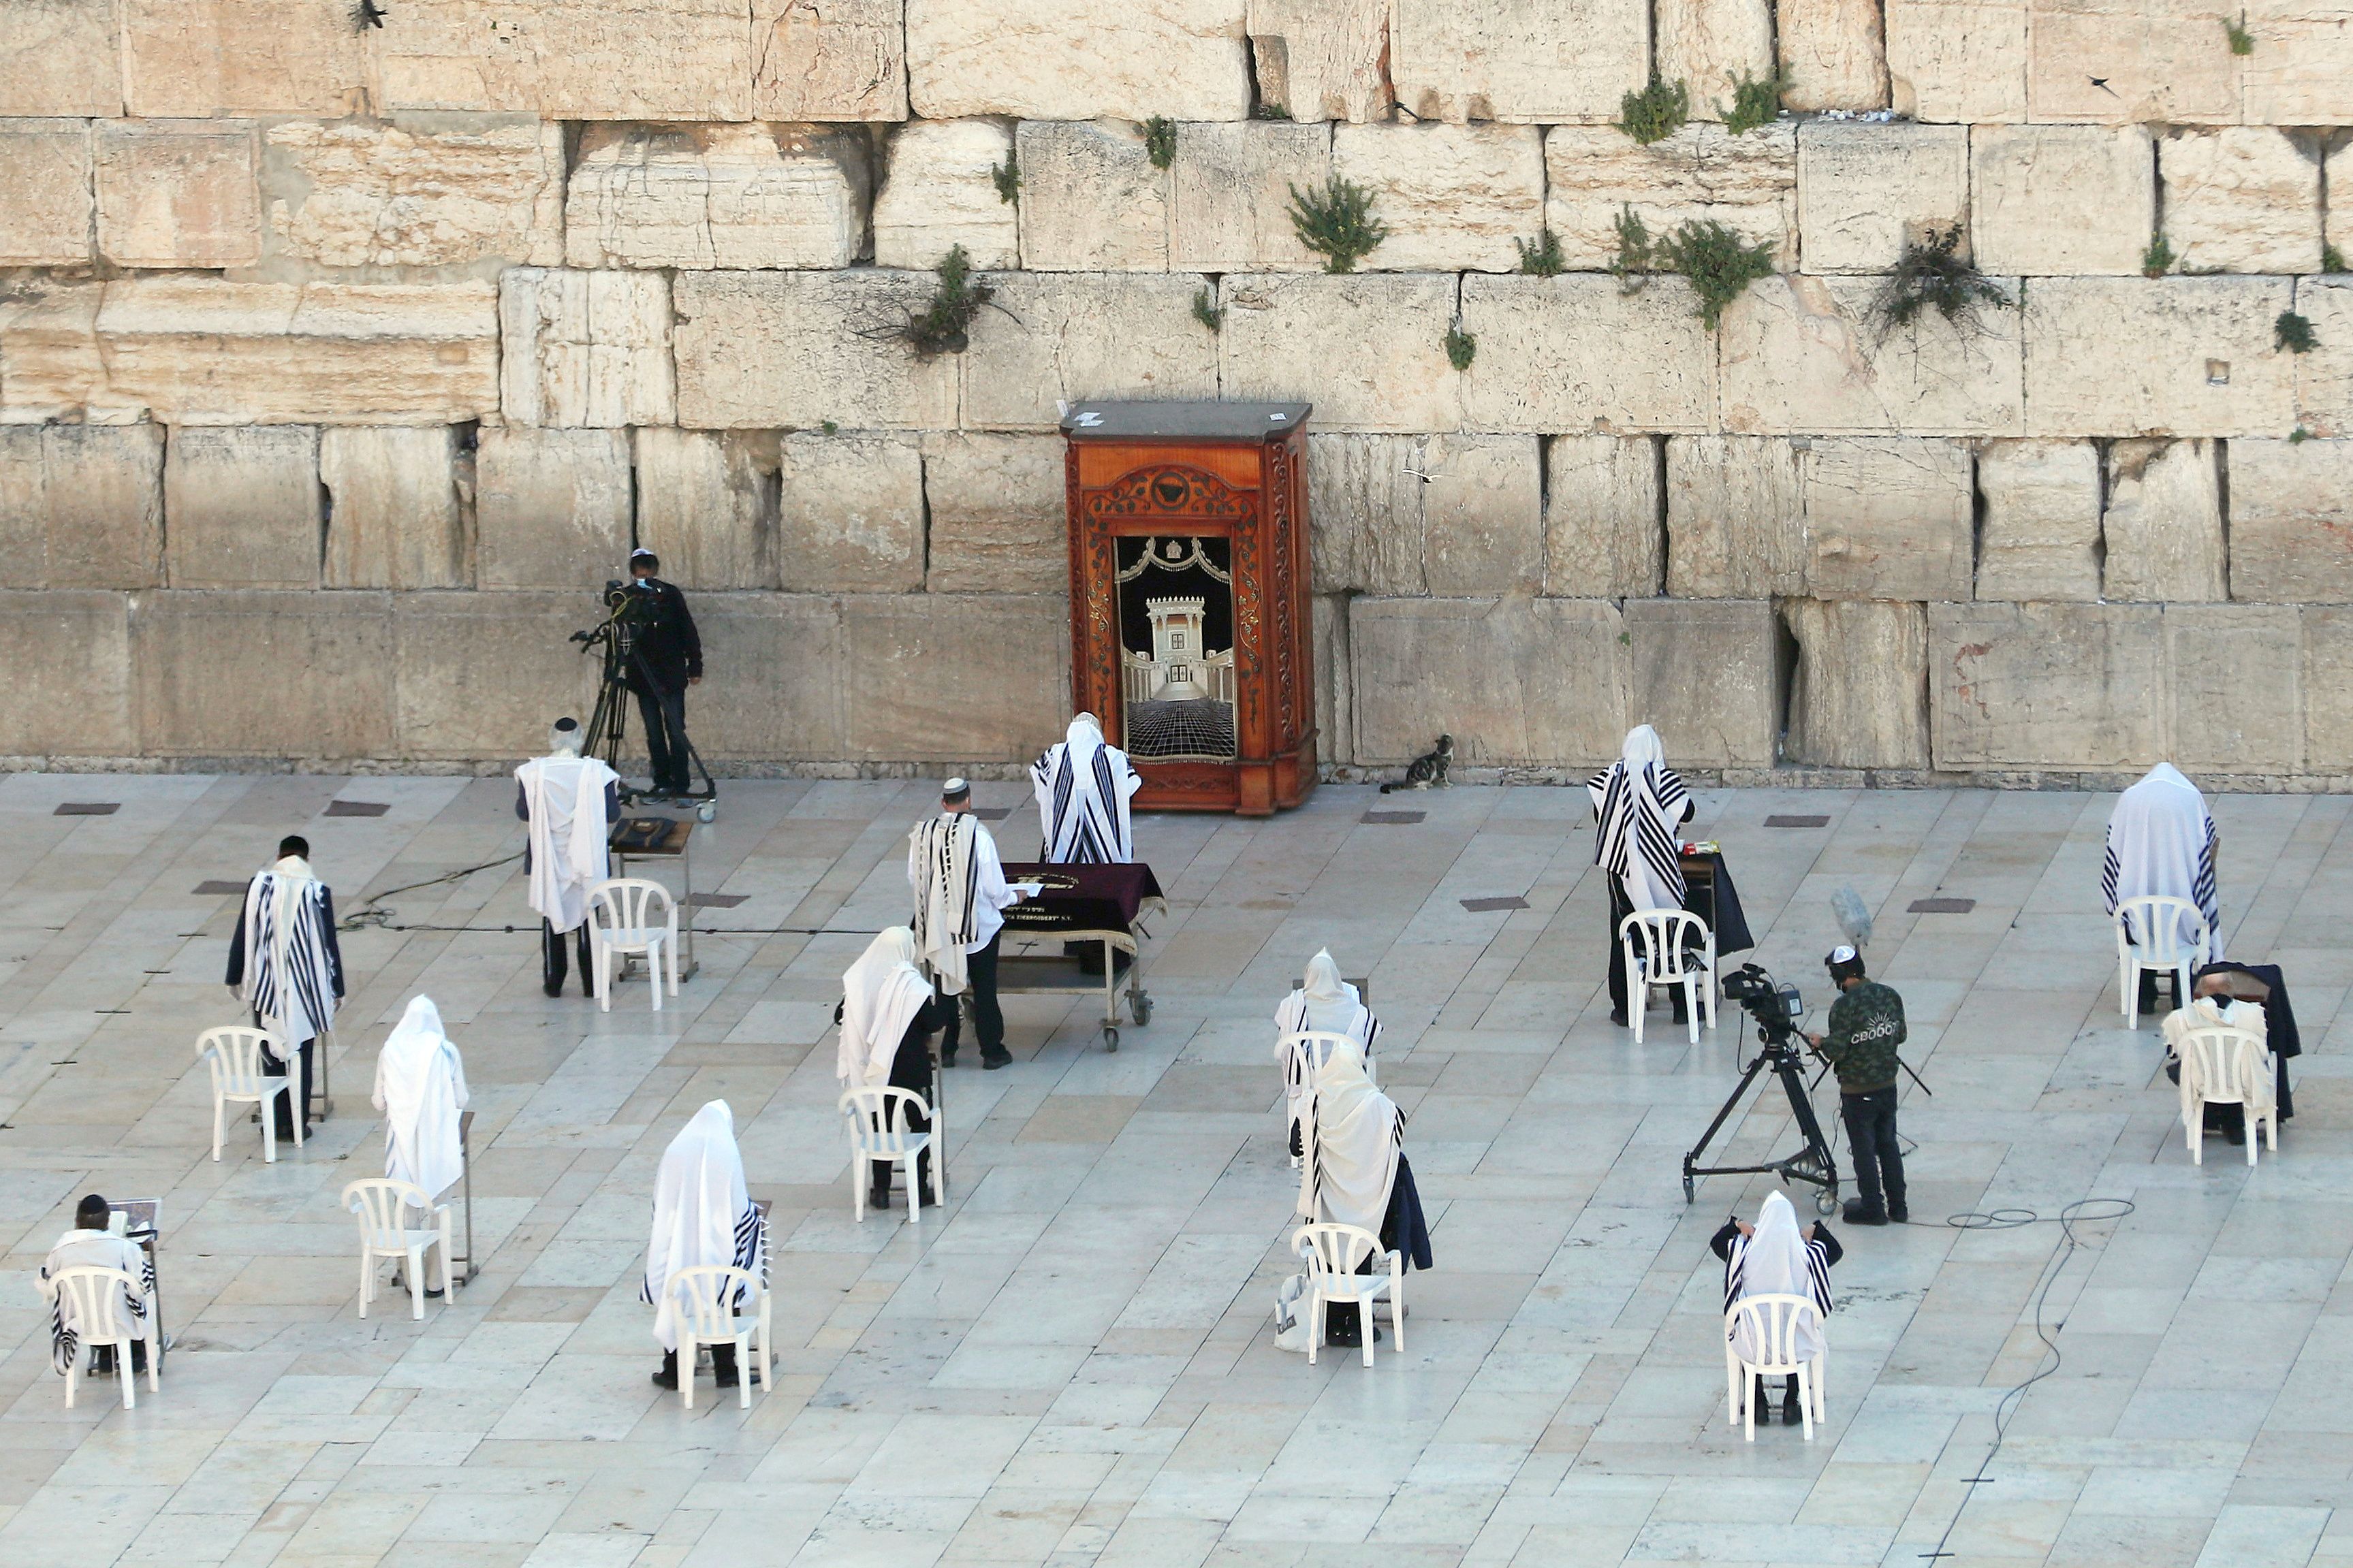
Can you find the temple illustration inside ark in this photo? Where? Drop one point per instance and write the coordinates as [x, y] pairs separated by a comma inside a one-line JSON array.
[[1177, 658]]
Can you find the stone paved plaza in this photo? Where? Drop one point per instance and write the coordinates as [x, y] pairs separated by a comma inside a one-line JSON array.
[[1074, 1364]]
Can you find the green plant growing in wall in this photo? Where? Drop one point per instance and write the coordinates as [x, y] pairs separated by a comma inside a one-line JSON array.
[[2157, 258], [2294, 333], [1635, 249], [829, 427], [942, 326], [1211, 316], [2298, 436], [2332, 259], [1717, 261], [1008, 176], [1160, 141], [1933, 275], [1754, 102], [2243, 42], [1656, 112], [1461, 347], [1269, 111], [1336, 223], [1541, 257]]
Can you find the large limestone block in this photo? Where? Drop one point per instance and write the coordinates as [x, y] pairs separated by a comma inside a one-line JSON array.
[[850, 519], [1736, 518], [1517, 682], [1482, 515], [241, 507], [2236, 687], [2056, 199], [1834, 52], [49, 364], [307, 675], [198, 59], [955, 677], [997, 509], [2041, 534], [2323, 377], [1860, 696], [585, 348], [2045, 686], [1364, 511], [1321, 60], [2180, 356], [790, 706], [715, 196], [2241, 198], [67, 653], [81, 506], [551, 508], [1887, 517], [829, 61], [1369, 351], [1074, 336], [2162, 522], [707, 504], [177, 195], [1605, 517], [1805, 353], [1577, 354], [1229, 200], [2130, 62], [1748, 182], [570, 60], [939, 195], [1336, 716], [60, 57], [45, 191], [764, 349], [1865, 190], [1091, 199], [1532, 61], [2302, 70], [396, 518], [477, 675], [1124, 59], [1702, 672], [1454, 197], [1713, 46], [2328, 670], [2291, 522], [447, 191], [1960, 62]]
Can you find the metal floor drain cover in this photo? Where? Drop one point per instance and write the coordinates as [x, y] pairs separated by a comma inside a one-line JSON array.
[[992, 813], [1485, 906], [1943, 906], [88, 809], [1394, 818], [716, 900], [1797, 822], [357, 808], [217, 888]]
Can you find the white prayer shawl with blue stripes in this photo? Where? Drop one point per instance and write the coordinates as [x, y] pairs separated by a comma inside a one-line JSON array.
[[1083, 784], [1638, 804], [2161, 841], [289, 976], [703, 1216]]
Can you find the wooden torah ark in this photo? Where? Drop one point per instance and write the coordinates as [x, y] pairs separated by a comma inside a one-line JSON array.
[[1191, 627]]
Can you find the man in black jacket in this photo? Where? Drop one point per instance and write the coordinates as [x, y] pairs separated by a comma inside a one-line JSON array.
[[667, 658]]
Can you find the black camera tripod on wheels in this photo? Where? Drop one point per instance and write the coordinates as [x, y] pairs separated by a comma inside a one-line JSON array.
[[1774, 1007], [615, 638]]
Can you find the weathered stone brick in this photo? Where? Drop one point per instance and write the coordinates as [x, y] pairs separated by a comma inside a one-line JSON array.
[[1748, 182], [1533, 61], [2045, 686], [2046, 199], [1451, 515], [585, 348], [1365, 508], [761, 350], [81, 506], [1091, 199], [568, 59], [1958, 62], [2301, 72], [1712, 45], [210, 675], [829, 61], [396, 519], [1454, 196], [998, 514], [1702, 671], [2130, 62], [177, 195], [1321, 60], [1859, 696], [45, 191], [2291, 522], [1516, 681], [715, 196], [69, 657], [2241, 198], [1124, 59], [1834, 54], [479, 676], [60, 57], [443, 191], [2323, 377], [939, 195], [241, 507], [1073, 336], [553, 507], [1605, 517], [1736, 518], [198, 59], [955, 677], [707, 505], [2180, 356], [2328, 671], [1864, 190], [2234, 676], [1230, 204], [1803, 354], [1577, 353], [851, 519], [1887, 517], [1367, 351], [2162, 524], [795, 713], [49, 364], [2041, 535]]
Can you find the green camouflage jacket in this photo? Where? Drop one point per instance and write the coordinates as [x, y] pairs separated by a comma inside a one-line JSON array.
[[1866, 1026]]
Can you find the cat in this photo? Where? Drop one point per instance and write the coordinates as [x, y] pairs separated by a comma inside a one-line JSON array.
[[1427, 770]]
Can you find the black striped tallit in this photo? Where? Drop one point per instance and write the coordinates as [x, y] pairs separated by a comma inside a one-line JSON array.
[[1818, 1274], [65, 1343], [300, 998], [1637, 815]]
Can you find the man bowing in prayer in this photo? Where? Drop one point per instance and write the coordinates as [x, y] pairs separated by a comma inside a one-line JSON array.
[[1638, 804], [2161, 841], [286, 966], [961, 896], [567, 803], [702, 1216], [420, 1086], [1326, 1004], [888, 1016], [1350, 1138], [1083, 784]]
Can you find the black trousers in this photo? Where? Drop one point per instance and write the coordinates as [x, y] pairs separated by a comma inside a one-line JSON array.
[[980, 991], [285, 1103], [1620, 908], [911, 1069], [552, 963], [666, 748], [1871, 1134]]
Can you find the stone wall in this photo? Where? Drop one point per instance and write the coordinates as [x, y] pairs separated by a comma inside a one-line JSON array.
[[338, 363]]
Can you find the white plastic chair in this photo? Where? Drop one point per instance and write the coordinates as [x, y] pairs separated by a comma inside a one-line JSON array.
[[879, 1130], [94, 1305], [234, 1054], [2160, 922], [1657, 958], [1774, 1322], [381, 1204], [617, 922], [2222, 1065], [706, 1314], [1332, 1253]]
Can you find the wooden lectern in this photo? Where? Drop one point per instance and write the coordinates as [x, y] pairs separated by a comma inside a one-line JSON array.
[[1191, 630]]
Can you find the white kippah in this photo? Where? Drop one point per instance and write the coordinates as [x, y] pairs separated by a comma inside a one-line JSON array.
[[954, 787], [1843, 955]]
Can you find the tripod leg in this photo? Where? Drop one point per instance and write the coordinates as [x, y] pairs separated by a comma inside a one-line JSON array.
[[1801, 1106], [1723, 1115]]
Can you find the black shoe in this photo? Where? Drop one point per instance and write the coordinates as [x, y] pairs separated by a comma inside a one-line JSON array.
[[101, 1361], [557, 989], [1791, 1415], [2237, 1135], [1617, 1016], [723, 1370], [947, 1060], [1857, 1211], [929, 1202], [878, 1197], [996, 1058], [668, 1376], [1897, 1213]]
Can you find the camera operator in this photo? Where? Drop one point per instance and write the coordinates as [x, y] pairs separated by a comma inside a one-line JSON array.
[[667, 659], [1866, 1026]]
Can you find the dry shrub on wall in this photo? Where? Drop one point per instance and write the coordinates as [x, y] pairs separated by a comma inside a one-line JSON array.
[[1933, 275]]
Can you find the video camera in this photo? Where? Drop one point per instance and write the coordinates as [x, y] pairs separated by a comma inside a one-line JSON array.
[[1776, 1007]]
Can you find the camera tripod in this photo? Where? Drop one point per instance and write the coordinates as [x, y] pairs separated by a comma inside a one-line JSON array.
[[1811, 1163], [608, 724]]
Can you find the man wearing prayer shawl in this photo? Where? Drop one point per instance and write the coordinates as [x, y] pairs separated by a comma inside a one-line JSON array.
[[1083, 784], [2161, 841], [420, 1086], [888, 1016], [1350, 1138], [2211, 1005], [567, 803], [1329, 1005], [961, 896], [286, 966], [92, 1244], [702, 1216], [1637, 803], [1773, 1257]]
